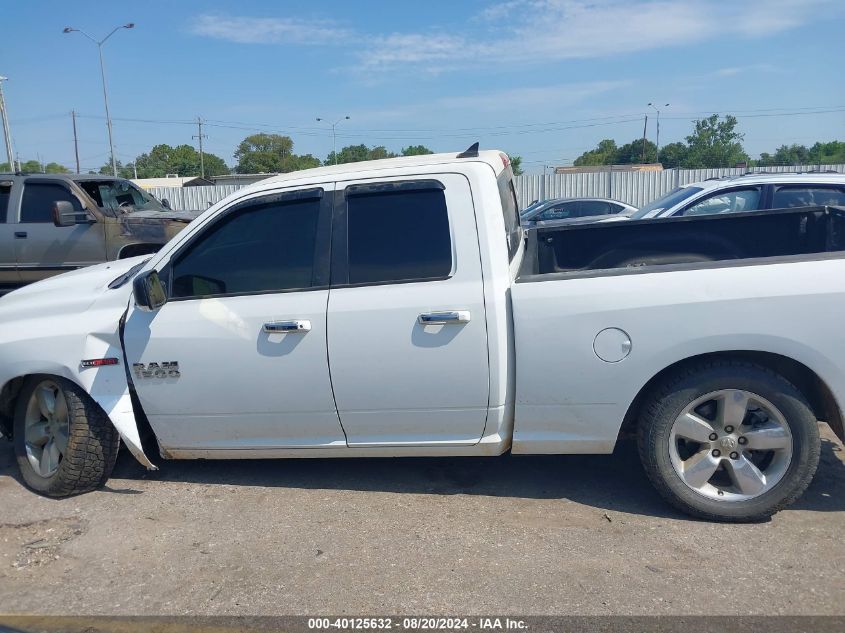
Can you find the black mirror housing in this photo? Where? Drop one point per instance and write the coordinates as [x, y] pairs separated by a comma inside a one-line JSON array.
[[165, 203], [149, 291]]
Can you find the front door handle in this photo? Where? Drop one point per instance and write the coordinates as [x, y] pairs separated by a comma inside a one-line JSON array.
[[449, 317], [20, 235], [300, 326]]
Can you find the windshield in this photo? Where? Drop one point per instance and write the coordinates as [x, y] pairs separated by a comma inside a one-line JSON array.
[[120, 195], [665, 202], [531, 207]]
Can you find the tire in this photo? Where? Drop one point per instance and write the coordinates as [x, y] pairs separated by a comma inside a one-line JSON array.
[[776, 419], [87, 443]]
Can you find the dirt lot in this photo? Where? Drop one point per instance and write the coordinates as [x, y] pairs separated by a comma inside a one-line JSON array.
[[515, 535]]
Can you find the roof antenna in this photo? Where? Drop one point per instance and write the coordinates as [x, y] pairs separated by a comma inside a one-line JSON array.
[[471, 152]]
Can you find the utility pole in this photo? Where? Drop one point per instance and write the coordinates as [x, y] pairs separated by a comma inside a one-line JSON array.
[[657, 138], [99, 44], [199, 135], [7, 134], [645, 128], [75, 139]]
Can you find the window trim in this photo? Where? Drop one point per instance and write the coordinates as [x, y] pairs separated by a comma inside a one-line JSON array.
[[322, 242], [340, 230], [53, 182]]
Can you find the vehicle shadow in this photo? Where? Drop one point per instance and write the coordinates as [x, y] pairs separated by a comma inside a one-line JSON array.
[[615, 483]]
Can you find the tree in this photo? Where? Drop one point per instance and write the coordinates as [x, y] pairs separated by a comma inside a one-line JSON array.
[[632, 153], [830, 153], [358, 153], [786, 155], [415, 150], [715, 143], [516, 165], [604, 154], [673, 155], [161, 160], [266, 153]]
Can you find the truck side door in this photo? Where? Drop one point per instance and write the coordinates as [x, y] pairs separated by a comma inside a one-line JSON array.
[[8, 267], [406, 318], [42, 248], [245, 325]]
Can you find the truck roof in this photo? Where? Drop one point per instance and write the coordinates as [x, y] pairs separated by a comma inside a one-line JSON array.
[[494, 158]]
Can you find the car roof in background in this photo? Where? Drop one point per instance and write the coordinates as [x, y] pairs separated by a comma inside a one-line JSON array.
[[762, 178], [76, 177]]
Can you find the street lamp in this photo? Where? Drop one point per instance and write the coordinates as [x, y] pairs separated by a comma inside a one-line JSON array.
[[657, 140], [99, 44], [334, 134]]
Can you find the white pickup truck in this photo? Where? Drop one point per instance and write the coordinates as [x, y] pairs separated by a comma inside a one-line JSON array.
[[396, 308]]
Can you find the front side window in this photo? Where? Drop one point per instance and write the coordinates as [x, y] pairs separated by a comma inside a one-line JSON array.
[[39, 199], [786, 197], [560, 212], [259, 247], [736, 201], [398, 236]]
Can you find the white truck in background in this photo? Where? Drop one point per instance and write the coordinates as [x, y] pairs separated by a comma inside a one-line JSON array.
[[395, 308]]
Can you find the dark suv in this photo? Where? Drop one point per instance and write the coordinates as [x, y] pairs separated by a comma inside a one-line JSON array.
[[51, 223]]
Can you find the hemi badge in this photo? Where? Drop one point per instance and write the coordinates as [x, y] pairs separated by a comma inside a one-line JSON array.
[[99, 362]]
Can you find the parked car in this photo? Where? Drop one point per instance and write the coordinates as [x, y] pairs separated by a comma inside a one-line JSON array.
[[50, 223], [393, 308], [572, 210], [749, 192]]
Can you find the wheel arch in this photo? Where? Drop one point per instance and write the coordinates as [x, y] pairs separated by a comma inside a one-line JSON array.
[[819, 395]]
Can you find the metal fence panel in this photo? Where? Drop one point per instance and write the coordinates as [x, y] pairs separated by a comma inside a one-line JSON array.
[[633, 187]]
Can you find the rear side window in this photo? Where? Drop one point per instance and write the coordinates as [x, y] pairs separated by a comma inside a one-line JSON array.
[[593, 207], [398, 236], [786, 197], [39, 198], [261, 247], [510, 210], [5, 194]]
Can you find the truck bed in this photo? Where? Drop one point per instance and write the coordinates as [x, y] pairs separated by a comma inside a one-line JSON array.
[[684, 242]]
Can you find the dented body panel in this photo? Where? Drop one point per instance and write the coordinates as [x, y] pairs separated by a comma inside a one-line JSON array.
[[32, 341]]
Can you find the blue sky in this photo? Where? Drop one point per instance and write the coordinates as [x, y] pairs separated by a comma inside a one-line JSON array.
[[545, 79]]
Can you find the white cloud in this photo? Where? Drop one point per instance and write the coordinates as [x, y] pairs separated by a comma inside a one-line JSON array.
[[247, 30], [538, 31]]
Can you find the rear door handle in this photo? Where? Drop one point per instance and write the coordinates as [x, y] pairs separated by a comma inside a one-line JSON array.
[[20, 235], [300, 326], [448, 317]]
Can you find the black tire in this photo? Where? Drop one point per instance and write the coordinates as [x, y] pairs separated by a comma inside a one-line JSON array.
[[92, 445], [668, 400]]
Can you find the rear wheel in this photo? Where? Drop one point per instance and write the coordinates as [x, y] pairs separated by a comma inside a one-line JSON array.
[[729, 441], [64, 442]]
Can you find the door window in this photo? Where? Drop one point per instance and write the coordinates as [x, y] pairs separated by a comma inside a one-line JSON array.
[[786, 197], [5, 194], [735, 201], [259, 247], [560, 212], [398, 236], [39, 198], [593, 207]]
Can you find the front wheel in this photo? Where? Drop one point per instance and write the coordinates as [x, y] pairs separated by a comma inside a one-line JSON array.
[[64, 442], [728, 441]]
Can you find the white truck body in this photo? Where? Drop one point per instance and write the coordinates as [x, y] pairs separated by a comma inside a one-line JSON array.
[[530, 363]]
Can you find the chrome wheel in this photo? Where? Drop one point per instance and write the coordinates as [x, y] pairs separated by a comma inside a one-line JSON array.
[[730, 445], [46, 428]]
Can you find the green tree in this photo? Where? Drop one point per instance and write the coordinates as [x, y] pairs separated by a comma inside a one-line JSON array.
[[604, 154], [715, 143], [358, 153], [632, 153], [266, 153], [516, 165], [35, 166], [123, 171], [786, 155], [830, 153], [673, 155], [415, 150]]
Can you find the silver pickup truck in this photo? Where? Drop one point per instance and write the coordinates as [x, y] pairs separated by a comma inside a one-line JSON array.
[[51, 223]]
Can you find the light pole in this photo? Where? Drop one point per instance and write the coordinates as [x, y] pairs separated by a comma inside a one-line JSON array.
[[7, 134], [657, 140], [334, 134], [99, 44]]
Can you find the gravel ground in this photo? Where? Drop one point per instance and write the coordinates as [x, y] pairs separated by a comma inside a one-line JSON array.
[[511, 535]]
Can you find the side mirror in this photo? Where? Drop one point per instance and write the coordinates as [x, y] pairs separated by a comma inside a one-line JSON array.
[[165, 203], [65, 215], [149, 291]]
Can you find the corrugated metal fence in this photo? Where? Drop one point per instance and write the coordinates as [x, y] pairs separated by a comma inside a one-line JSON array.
[[635, 188]]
